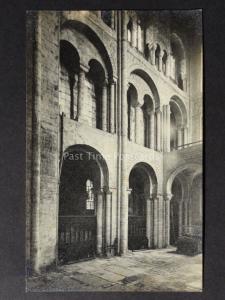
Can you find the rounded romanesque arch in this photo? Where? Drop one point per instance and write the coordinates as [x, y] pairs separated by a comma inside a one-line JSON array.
[[194, 168], [185, 203], [90, 154], [178, 61], [151, 175], [178, 123], [92, 36], [145, 76], [82, 191], [179, 109], [95, 84], [142, 188]]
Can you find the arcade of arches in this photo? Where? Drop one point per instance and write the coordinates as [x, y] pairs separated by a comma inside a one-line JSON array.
[[111, 137]]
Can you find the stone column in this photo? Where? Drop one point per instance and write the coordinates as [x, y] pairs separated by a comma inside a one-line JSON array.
[[180, 227], [104, 106], [180, 138], [148, 221], [132, 123], [155, 222], [138, 131], [112, 107], [124, 223], [100, 197], [166, 128], [160, 220], [134, 34], [36, 150], [158, 128], [168, 66], [123, 92], [81, 94], [108, 207], [160, 62], [185, 215], [112, 19], [189, 213], [153, 55], [152, 129], [185, 136], [167, 199]]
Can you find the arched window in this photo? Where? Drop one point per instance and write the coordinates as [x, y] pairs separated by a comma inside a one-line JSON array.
[[69, 69], [178, 63], [157, 56], [178, 123], [90, 203], [129, 31], [131, 101], [96, 80], [147, 109], [164, 62], [139, 36]]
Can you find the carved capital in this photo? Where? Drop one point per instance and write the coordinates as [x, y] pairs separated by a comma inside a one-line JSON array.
[[168, 197]]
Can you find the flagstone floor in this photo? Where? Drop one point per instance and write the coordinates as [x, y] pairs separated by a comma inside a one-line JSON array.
[[149, 270]]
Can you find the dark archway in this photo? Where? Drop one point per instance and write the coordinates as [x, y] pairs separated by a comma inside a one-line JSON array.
[[142, 184], [84, 173]]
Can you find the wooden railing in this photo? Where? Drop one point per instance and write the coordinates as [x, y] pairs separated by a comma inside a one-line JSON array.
[[193, 230], [137, 232], [188, 145], [77, 237]]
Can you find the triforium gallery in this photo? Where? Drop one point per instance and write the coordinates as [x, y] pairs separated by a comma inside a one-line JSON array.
[[114, 133]]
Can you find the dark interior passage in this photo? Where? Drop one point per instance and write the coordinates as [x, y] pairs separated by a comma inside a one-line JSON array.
[[80, 180]]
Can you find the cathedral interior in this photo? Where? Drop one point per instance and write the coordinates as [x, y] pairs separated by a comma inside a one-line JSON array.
[[114, 133]]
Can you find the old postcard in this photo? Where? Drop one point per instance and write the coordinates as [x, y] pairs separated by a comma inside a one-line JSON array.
[[114, 151]]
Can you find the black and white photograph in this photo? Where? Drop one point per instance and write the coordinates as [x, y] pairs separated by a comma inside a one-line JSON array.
[[114, 151]]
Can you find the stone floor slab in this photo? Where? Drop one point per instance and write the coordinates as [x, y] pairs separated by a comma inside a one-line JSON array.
[[150, 271]]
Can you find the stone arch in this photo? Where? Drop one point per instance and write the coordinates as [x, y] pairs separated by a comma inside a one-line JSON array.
[[178, 41], [180, 110], [69, 55], [82, 190], [142, 187], [93, 154], [192, 166], [94, 39], [145, 76], [149, 171], [179, 61], [196, 203]]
